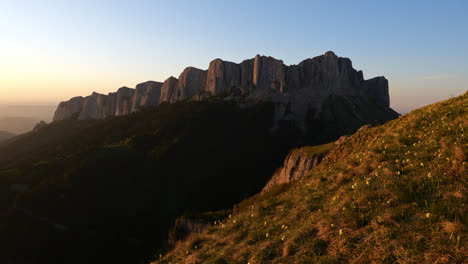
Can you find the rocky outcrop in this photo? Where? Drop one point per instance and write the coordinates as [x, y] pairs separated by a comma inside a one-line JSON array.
[[39, 126], [297, 164], [183, 226], [297, 91]]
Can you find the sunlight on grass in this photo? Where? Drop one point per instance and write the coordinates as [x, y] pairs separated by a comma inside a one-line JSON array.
[[393, 193]]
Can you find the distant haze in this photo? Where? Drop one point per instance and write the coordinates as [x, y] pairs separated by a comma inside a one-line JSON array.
[[18, 119]]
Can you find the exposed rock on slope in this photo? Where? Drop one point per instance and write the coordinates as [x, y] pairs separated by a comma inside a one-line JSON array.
[[298, 91], [297, 164], [300, 161]]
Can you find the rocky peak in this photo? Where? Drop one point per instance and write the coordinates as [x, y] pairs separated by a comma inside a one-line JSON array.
[[329, 54]]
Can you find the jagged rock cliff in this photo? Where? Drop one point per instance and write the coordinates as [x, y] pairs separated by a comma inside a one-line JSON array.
[[298, 91], [98, 106]]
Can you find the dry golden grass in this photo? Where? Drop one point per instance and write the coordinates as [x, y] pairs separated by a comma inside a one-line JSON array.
[[390, 194]]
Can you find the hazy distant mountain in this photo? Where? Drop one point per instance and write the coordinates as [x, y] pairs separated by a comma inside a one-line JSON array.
[[18, 125], [19, 119], [5, 135]]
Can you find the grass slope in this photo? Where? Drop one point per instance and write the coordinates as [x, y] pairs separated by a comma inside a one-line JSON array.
[[396, 193]]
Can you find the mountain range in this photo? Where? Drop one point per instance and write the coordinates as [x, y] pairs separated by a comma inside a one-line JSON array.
[[299, 92]]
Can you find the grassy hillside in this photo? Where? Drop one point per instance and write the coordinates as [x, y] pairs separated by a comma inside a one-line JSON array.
[[396, 193], [109, 190]]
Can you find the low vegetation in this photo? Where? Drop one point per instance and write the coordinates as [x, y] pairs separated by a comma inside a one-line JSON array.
[[396, 193]]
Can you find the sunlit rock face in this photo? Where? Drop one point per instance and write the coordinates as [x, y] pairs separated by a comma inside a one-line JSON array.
[[98, 106], [66, 110], [298, 91], [146, 94]]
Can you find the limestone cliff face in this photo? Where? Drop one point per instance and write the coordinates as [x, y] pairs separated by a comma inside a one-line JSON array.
[[376, 89], [66, 110], [98, 106], [297, 90], [168, 89], [222, 75], [191, 82], [146, 94]]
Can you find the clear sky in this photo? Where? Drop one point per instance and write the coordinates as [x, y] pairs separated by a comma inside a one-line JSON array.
[[53, 50]]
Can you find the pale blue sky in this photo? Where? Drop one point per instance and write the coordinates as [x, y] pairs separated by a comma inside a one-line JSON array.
[[53, 50]]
